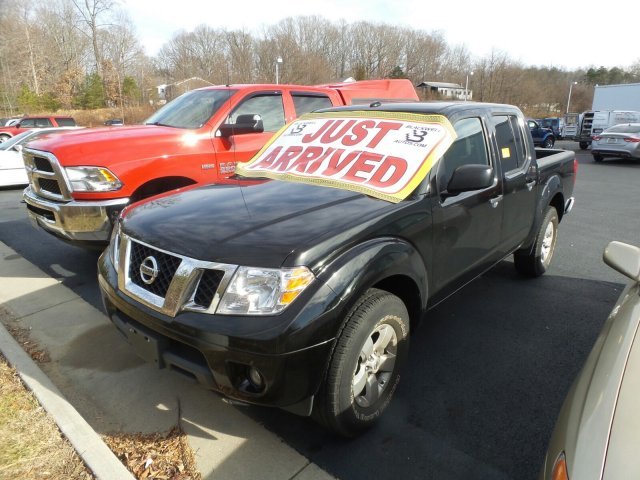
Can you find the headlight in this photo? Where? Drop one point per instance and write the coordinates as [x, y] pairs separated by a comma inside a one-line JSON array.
[[263, 291], [92, 179], [114, 245]]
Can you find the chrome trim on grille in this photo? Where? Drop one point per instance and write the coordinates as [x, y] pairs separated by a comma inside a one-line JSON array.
[[58, 175], [184, 284]]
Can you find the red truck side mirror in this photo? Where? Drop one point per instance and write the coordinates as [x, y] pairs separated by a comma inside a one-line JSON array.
[[250, 123]]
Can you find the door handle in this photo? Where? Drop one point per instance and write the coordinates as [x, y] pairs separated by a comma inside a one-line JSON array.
[[530, 184], [495, 201]]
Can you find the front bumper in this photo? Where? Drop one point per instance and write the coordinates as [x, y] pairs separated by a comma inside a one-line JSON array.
[[81, 222], [219, 352]]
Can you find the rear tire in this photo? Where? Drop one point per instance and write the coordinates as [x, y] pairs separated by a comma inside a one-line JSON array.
[[549, 142], [535, 262], [4, 138], [597, 158], [584, 145], [364, 370]]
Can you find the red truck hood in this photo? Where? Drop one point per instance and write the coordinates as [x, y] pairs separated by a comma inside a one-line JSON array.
[[114, 145]]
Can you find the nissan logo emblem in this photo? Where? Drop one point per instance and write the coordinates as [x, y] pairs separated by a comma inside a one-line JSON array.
[[149, 270]]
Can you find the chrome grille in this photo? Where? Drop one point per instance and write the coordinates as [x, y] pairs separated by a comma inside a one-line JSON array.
[[167, 266], [43, 164], [46, 176], [179, 283], [207, 287], [49, 185]]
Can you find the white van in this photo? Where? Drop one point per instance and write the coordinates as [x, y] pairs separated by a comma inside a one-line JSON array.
[[597, 121]]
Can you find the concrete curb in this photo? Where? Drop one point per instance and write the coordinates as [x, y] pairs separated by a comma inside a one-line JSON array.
[[89, 445]]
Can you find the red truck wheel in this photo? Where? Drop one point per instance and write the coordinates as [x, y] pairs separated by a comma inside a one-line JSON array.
[[365, 365]]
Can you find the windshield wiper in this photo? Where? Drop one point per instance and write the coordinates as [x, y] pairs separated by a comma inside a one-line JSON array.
[[158, 124]]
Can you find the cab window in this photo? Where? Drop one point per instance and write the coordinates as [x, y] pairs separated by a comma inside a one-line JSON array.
[[305, 103], [43, 122], [469, 148], [510, 142], [269, 107]]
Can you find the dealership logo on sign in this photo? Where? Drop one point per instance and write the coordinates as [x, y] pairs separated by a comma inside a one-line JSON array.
[[382, 154]]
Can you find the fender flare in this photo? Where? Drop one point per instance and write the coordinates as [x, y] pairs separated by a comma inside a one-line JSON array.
[[368, 264], [552, 194]]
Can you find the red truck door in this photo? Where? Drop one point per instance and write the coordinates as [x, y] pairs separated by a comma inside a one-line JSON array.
[[240, 148], [276, 108]]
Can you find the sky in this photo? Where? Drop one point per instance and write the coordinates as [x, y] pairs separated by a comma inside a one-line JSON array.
[[561, 34]]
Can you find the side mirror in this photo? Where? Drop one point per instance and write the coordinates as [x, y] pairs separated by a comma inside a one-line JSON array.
[[250, 123], [18, 148], [467, 178], [624, 258]]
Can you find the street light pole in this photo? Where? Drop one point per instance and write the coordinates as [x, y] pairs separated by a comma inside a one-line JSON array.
[[466, 87], [278, 62], [569, 99]]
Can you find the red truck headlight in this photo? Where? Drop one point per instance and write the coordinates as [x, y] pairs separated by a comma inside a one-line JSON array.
[[92, 179]]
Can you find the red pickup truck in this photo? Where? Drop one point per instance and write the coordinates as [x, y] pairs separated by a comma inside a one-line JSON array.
[[29, 123], [77, 184]]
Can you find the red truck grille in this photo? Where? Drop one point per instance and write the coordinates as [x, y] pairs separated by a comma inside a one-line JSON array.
[[49, 185], [46, 176], [43, 164]]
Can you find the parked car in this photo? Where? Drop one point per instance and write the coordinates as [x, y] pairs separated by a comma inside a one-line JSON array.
[[619, 141], [597, 434], [12, 171], [29, 123], [114, 122], [542, 137], [556, 124]]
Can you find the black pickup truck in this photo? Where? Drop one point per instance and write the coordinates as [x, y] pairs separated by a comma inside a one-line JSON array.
[[301, 293]]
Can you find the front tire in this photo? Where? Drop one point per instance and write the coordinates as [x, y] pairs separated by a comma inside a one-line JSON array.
[[364, 370], [535, 262], [4, 138], [584, 145]]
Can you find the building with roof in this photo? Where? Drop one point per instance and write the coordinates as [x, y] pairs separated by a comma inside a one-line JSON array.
[[444, 90]]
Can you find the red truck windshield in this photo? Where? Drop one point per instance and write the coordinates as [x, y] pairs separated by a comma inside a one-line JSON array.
[[191, 110]]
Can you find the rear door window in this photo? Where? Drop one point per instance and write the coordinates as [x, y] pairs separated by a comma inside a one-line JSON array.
[[308, 102], [43, 122], [510, 141], [66, 122]]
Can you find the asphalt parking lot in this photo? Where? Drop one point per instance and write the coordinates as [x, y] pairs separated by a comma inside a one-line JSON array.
[[487, 372]]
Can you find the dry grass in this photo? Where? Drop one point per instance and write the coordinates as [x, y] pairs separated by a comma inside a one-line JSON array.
[[31, 446], [158, 456]]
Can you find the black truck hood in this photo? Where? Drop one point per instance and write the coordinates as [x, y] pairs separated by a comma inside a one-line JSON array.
[[267, 224]]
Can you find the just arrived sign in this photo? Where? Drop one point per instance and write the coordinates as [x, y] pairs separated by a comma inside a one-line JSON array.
[[383, 157]]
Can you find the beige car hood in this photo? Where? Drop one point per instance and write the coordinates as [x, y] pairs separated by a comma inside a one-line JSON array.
[[623, 453]]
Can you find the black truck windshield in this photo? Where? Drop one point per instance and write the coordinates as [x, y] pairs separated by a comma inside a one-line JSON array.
[[191, 110]]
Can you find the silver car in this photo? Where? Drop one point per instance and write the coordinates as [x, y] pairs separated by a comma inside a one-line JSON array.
[[597, 434], [619, 141]]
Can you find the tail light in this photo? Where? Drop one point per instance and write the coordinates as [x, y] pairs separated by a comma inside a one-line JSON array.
[[632, 139], [596, 137], [575, 167]]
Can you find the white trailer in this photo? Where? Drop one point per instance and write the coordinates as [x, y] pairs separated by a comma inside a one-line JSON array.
[[616, 97]]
